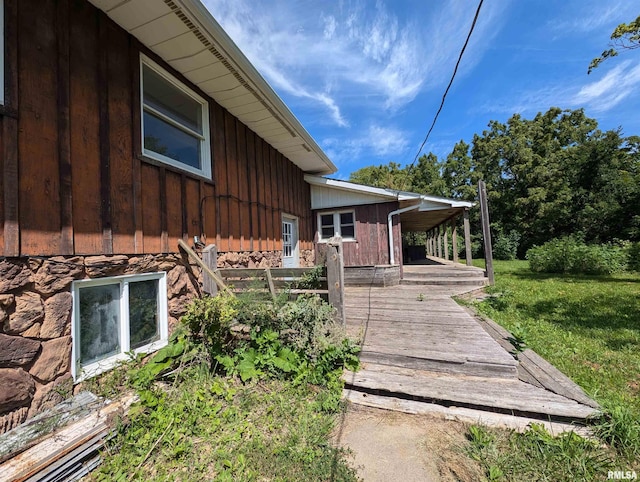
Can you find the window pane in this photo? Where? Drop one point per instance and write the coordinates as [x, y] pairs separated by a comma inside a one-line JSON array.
[[143, 313], [347, 232], [346, 218], [99, 322], [163, 138], [170, 100], [326, 220], [327, 232]]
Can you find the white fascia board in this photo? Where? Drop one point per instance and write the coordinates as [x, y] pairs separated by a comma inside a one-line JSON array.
[[208, 25], [350, 186]]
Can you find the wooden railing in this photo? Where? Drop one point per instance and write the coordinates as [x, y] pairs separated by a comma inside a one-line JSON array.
[[275, 280]]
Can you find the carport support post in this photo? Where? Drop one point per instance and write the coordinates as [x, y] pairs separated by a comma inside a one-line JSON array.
[[467, 237], [445, 242], [439, 242], [454, 240], [486, 232]]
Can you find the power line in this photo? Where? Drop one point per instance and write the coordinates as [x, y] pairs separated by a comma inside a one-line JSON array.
[[453, 76]]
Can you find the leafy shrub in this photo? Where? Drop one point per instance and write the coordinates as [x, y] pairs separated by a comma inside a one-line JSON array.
[[568, 255], [506, 245], [633, 255]]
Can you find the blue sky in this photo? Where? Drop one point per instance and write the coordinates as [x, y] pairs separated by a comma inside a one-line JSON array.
[[366, 77]]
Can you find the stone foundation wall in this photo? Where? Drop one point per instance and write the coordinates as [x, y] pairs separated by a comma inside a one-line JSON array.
[[261, 259], [36, 311]]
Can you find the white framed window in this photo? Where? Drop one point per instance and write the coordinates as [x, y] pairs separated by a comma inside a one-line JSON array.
[[337, 223], [115, 316], [175, 121], [2, 52]]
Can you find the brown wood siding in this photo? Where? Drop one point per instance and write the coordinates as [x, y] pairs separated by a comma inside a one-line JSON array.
[[72, 178], [371, 246]]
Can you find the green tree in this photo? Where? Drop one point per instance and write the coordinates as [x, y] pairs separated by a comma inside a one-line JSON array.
[[626, 36], [390, 176]]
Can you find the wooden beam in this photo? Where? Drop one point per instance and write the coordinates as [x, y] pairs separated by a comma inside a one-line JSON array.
[[272, 288], [335, 276], [105, 142], [204, 267], [64, 128], [467, 238], [486, 232], [439, 241], [445, 242], [210, 258]]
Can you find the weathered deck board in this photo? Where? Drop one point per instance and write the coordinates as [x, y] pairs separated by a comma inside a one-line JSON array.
[[418, 343]]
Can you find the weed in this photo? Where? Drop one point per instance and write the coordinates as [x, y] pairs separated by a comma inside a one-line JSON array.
[[420, 297]]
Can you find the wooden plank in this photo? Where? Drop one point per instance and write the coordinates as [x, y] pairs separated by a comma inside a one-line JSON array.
[[39, 182], [85, 129], [252, 192], [210, 258], [173, 191], [231, 143], [192, 207], [260, 196], [272, 289], [151, 223], [206, 270], [220, 169], [183, 211], [209, 212], [105, 142], [163, 208], [136, 132], [243, 192], [120, 85], [268, 199], [64, 134]]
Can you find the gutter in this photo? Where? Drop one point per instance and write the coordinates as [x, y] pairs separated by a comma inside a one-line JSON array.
[[390, 228]]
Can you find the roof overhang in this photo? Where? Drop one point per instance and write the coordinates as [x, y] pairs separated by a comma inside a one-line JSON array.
[[187, 37]]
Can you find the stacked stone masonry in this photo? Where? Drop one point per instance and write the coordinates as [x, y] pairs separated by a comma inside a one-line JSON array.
[[36, 311]]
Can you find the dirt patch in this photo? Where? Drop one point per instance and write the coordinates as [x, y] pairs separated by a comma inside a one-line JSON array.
[[390, 446]]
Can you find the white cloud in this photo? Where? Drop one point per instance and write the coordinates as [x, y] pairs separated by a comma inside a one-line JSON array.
[[377, 143], [604, 94]]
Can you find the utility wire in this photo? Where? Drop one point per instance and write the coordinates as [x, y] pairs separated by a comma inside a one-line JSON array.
[[455, 71]]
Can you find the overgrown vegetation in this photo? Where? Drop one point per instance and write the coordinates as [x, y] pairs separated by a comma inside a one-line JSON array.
[[570, 255], [244, 391], [587, 326]]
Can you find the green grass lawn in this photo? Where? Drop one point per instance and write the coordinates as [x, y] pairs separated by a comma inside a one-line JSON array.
[[589, 328]]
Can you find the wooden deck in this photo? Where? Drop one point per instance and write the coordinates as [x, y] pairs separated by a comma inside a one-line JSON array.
[[419, 344]]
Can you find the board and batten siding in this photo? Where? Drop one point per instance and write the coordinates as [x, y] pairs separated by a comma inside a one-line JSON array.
[[371, 244], [73, 180]]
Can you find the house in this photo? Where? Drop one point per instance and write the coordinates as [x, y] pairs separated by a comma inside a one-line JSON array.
[[127, 125], [371, 222]]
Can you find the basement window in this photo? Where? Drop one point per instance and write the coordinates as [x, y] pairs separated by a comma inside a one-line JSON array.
[[113, 317], [175, 121], [341, 223]]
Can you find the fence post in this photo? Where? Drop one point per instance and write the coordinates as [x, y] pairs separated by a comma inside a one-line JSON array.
[[335, 276], [210, 258]]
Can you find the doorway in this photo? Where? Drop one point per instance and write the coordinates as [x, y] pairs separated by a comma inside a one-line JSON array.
[[290, 252]]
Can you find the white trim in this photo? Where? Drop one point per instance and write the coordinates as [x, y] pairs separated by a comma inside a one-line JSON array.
[[2, 53], [295, 252], [81, 373], [337, 226], [205, 137]]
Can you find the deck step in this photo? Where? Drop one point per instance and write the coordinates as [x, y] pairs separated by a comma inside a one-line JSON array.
[[443, 363], [445, 281], [495, 394], [443, 273]]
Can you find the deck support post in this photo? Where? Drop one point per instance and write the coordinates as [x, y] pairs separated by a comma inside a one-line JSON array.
[[210, 258], [467, 237], [445, 242], [454, 240], [486, 232], [335, 276]]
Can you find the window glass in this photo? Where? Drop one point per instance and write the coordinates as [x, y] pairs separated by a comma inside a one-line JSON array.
[[346, 218], [143, 313], [168, 99], [99, 322], [347, 231], [167, 140]]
